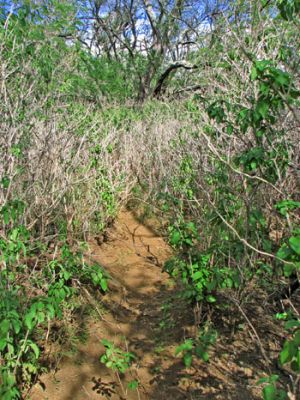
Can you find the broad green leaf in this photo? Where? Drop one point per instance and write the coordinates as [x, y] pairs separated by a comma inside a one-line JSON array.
[[40, 306], [197, 275], [292, 323], [103, 284], [4, 327], [288, 352], [296, 339], [288, 269], [284, 354], [269, 392], [286, 205], [17, 325], [284, 252], [295, 244], [28, 320], [175, 237], [35, 349], [41, 317], [3, 343]]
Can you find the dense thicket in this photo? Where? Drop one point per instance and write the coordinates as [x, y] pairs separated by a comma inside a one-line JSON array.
[[190, 106]]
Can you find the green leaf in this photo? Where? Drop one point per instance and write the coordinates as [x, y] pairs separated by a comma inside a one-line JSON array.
[[175, 238], [17, 325], [28, 320], [188, 241], [40, 306], [296, 339], [3, 343], [295, 244], [210, 299], [103, 358], [229, 129], [4, 327], [133, 385], [253, 73], [292, 324], [287, 205], [298, 360], [103, 284], [5, 215], [288, 269], [5, 181], [211, 285], [288, 352], [106, 343], [262, 65], [262, 108], [188, 359], [284, 355], [199, 350], [41, 317], [197, 275], [35, 349], [273, 378], [269, 392], [186, 346], [262, 380]]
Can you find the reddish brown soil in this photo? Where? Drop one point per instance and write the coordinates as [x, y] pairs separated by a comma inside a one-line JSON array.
[[139, 314], [133, 256]]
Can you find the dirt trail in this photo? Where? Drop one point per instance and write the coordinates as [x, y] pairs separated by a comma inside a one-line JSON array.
[[136, 317], [143, 314]]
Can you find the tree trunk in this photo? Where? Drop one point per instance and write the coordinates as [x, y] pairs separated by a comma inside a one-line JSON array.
[[161, 83]]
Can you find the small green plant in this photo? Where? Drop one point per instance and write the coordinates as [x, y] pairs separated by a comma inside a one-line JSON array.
[[197, 347], [183, 234], [119, 361], [166, 321], [186, 350], [194, 273], [115, 358], [271, 391], [290, 354], [133, 385]]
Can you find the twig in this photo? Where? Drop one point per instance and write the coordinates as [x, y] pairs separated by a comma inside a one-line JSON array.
[[261, 347]]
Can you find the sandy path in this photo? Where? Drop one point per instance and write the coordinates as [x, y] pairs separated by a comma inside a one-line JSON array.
[[133, 256]]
